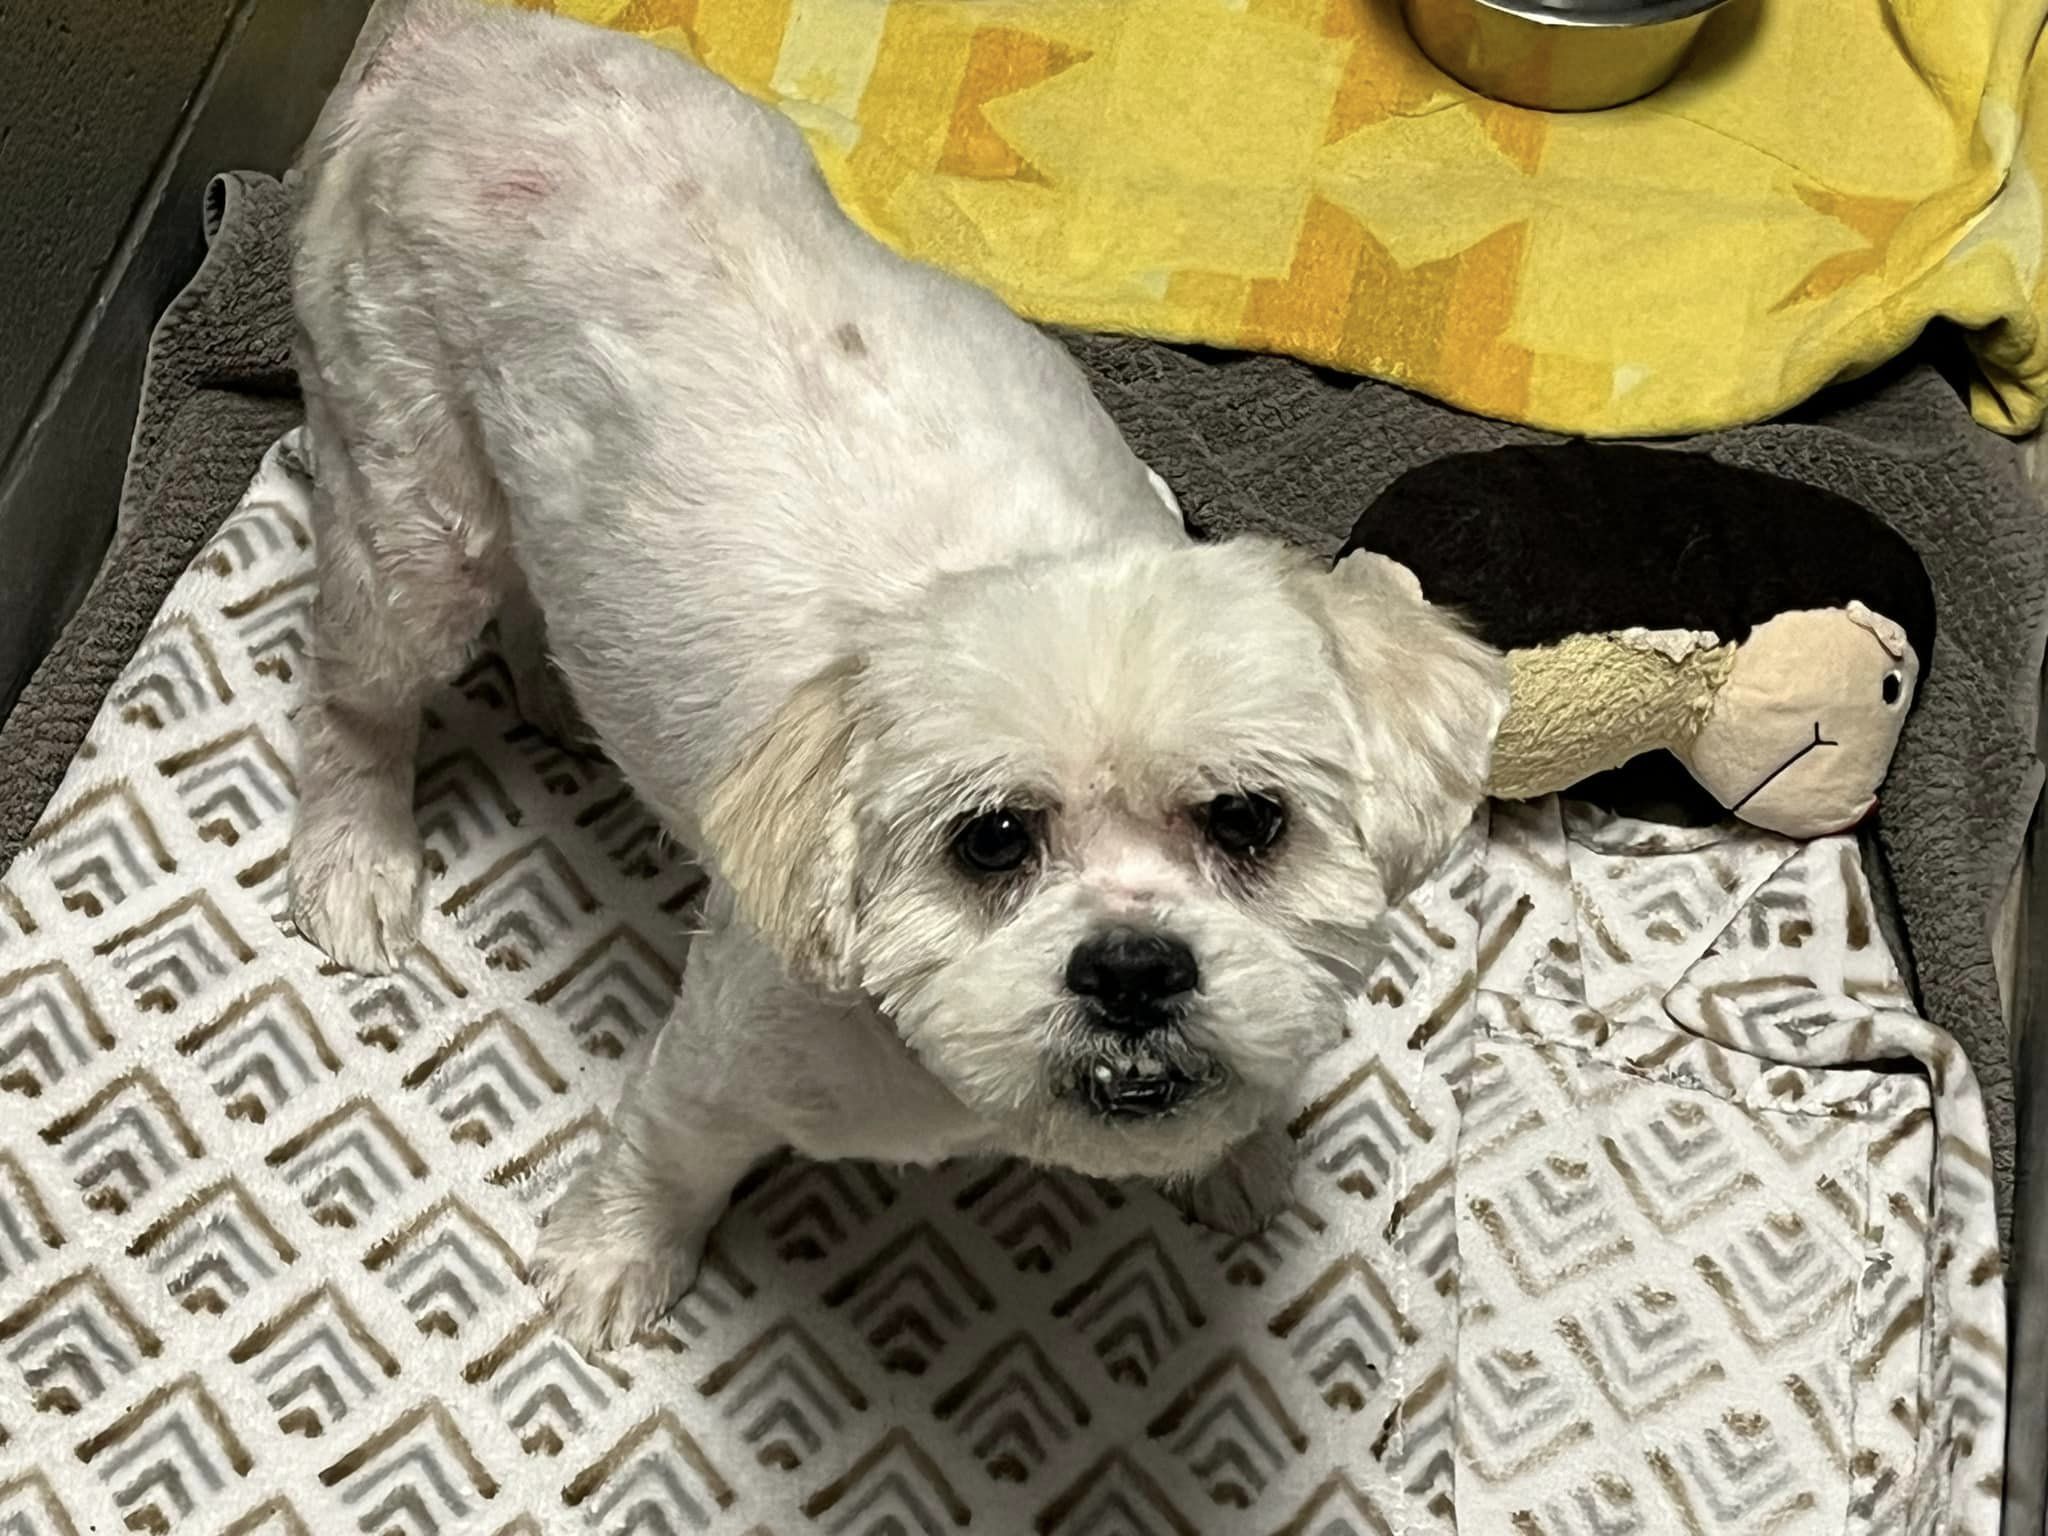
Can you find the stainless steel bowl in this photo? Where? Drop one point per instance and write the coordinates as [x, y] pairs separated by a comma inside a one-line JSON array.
[[1559, 55]]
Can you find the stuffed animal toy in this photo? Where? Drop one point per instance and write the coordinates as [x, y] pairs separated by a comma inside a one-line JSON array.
[[1768, 635]]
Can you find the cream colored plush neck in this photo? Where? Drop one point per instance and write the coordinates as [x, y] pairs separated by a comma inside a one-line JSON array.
[[1592, 702]]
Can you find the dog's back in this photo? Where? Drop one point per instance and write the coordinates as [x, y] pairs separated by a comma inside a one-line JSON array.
[[582, 308]]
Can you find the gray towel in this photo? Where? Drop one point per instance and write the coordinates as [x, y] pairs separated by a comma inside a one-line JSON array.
[[217, 390], [1248, 443], [1274, 446]]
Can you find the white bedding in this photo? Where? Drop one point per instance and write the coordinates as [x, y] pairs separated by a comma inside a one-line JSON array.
[[1637, 1200]]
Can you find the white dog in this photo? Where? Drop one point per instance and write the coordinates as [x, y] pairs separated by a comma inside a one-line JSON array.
[[1037, 828]]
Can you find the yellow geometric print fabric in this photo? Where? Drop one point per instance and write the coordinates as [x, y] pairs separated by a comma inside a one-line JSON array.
[[1824, 179]]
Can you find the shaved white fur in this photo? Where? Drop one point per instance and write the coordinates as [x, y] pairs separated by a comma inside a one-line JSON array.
[[831, 552]]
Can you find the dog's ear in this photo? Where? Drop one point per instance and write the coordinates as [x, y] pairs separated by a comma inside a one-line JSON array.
[[1425, 697], [780, 830]]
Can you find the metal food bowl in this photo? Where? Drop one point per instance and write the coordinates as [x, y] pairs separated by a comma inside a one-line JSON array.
[[1558, 55]]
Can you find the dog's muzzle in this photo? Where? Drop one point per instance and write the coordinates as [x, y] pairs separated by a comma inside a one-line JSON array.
[[1133, 1063], [1140, 1078]]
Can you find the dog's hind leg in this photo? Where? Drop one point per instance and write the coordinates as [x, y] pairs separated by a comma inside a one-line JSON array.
[[545, 702], [411, 563]]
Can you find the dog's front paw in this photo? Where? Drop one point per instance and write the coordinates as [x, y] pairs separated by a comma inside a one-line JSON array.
[[355, 891], [605, 1283], [1253, 1184]]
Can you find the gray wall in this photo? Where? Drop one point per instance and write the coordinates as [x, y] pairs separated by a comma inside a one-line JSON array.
[[90, 93], [114, 114]]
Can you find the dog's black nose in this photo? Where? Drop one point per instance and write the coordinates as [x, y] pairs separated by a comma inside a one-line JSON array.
[[1130, 974]]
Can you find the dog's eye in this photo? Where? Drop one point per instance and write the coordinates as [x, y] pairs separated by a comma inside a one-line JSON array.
[[995, 842], [1244, 826], [1894, 685]]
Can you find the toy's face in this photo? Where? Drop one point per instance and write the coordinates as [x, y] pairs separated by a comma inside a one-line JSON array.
[[1799, 737]]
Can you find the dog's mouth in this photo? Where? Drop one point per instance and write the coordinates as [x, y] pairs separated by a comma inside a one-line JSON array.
[[1142, 1078]]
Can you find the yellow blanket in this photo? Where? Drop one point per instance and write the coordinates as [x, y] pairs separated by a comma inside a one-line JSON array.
[[1291, 175]]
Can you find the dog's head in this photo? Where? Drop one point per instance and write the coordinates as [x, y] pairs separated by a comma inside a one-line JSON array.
[[1103, 835]]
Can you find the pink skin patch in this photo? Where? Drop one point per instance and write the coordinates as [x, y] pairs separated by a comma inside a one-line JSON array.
[[517, 187], [1129, 877]]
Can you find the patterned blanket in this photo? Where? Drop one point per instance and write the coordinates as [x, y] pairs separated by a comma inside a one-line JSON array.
[[1636, 1201]]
